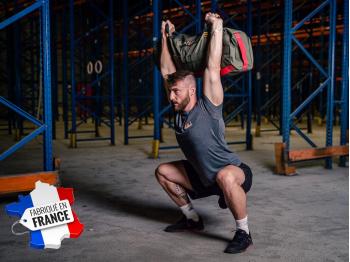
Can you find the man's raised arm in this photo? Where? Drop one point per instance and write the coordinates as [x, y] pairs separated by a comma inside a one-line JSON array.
[[212, 87], [166, 63]]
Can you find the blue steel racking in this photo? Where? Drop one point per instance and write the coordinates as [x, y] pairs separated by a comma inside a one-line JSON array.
[[344, 117], [54, 70], [269, 73], [125, 70], [102, 84], [44, 126], [266, 55], [249, 139], [28, 63], [17, 74], [313, 36], [4, 125], [156, 81], [284, 154], [64, 70], [6, 69], [137, 93], [24, 43]]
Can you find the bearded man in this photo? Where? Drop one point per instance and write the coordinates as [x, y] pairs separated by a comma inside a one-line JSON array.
[[210, 168]]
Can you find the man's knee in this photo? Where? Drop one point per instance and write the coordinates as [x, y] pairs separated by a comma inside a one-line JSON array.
[[161, 172], [227, 178]]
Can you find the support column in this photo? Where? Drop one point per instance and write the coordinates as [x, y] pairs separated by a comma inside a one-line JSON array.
[[330, 88], [111, 61], [48, 160], [258, 76], [125, 71], [286, 76], [344, 117], [64, 72], [249, 143], [156, 82], [73, 135], [198, 31]]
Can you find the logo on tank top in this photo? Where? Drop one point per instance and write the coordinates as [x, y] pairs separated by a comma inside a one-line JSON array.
[[187, 125]]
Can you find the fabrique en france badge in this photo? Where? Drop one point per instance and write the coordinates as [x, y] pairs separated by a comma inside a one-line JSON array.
[[47, 213]]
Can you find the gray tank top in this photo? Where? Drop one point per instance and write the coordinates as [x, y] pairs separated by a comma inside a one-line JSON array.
[[201, 137]]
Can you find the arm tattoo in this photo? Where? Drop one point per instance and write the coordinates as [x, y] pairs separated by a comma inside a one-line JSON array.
[[181, 193]]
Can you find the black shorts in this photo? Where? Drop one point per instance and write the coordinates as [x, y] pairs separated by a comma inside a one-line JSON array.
[[200, 191]]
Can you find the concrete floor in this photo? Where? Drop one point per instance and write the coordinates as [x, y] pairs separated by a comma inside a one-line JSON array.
[[124, 210]]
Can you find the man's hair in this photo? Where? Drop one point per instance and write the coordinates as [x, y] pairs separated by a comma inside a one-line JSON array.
[[178, 75]]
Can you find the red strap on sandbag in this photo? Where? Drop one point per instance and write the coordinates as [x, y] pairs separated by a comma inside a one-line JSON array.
[[243, 50], [223, 71], [227, 69]]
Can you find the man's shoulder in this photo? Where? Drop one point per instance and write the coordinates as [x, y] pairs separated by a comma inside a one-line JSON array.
[[211, 109]]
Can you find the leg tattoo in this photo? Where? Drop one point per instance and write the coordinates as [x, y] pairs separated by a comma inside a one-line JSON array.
[[181, 193]]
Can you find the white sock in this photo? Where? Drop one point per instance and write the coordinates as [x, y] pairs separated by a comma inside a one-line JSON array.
[[243, 224], [189, 212]]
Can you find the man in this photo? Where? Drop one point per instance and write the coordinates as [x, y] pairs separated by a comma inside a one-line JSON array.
[[211, 168]]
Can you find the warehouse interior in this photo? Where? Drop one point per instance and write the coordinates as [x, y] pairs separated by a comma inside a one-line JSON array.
[[82, 106]]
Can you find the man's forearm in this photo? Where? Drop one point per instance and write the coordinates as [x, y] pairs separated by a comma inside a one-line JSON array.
[[166, 63], [215, 46]]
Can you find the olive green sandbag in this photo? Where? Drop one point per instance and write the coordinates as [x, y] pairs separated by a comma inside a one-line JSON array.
[[190, 52]]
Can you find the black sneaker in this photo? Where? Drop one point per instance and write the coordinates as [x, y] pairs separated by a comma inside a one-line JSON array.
[[185, 224], [222, 202], [240, 242]]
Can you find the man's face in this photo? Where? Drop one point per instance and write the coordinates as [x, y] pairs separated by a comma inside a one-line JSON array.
[[179, 95]]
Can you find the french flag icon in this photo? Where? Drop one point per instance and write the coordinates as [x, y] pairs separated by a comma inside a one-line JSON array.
[[45, 194]]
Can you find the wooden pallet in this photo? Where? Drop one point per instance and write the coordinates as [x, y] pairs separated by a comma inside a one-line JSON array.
[[26, 182], [284, 159]]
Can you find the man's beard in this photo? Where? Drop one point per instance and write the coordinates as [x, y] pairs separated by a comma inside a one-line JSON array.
[[183, 104]]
